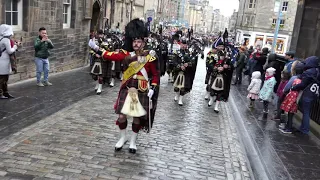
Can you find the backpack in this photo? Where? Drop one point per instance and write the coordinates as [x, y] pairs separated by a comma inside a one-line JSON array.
[[2, 50]]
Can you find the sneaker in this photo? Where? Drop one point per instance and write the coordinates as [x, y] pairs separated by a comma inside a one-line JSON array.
[[286, 131], [282, 125], [40, 84], [265, 112], [47, 83]]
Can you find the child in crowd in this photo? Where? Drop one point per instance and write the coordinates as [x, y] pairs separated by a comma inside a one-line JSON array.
[[267, 90], [290, 104], [285, 76], [254, 87]]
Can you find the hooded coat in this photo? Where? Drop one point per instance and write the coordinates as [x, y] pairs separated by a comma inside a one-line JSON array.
[[310, 74], [255, 84], [5, 49]]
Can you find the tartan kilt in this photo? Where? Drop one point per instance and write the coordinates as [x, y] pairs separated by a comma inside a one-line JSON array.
[[106, 69], [143, 98]]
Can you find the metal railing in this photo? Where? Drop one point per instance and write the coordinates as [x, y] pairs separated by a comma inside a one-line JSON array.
[[315, 112]]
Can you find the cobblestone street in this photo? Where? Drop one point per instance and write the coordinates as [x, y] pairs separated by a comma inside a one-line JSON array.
[[77, 142]]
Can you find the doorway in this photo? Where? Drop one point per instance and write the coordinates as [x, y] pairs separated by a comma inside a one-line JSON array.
[[95, 24]]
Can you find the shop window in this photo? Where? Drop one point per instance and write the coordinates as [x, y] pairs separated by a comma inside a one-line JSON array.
[[14, 14]]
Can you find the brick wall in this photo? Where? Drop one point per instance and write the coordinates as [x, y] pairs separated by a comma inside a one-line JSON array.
[[70, 44]]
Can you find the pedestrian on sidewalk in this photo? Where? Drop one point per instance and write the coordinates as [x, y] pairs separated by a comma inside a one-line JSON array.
[[254, 88], [7, 48], [297, 70], [310, 82], [42, 45], [285, 76], [241, 62], [267, 89]]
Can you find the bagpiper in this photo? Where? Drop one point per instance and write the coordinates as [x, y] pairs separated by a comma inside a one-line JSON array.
[[101, 70], [218, 75], [183, 72], [140, 81]]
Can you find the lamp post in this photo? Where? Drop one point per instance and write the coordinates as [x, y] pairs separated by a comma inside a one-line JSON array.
[[276, 32]]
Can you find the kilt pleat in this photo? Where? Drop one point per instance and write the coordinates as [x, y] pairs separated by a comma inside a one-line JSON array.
[[106, 69]]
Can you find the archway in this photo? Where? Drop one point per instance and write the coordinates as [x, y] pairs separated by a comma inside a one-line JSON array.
[[95, 16]]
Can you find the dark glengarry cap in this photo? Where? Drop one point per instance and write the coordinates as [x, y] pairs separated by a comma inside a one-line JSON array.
[[290, 53]]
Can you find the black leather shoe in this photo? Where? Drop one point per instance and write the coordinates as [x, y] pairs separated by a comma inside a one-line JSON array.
[[133, 151], [8, 95]]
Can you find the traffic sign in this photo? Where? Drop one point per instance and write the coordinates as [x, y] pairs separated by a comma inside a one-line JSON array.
[[149, 19]]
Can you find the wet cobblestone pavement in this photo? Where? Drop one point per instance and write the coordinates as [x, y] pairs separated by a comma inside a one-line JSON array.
[[77, 142]]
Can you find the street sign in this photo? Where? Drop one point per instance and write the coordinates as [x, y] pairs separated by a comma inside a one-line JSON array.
[[149, 19]]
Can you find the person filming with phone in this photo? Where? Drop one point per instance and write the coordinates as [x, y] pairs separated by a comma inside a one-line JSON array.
[[42, 45]]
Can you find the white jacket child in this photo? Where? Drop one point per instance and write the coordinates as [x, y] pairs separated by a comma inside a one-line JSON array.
[[255, 85]]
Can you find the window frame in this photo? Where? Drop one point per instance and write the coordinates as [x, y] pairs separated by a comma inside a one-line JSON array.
[[17, 27], [68, 24], [252, 4], [284, 8], [282, 21]]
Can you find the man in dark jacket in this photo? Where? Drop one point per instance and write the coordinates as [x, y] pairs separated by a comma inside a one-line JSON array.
[[310, 76], [240, 64], [42, 44]]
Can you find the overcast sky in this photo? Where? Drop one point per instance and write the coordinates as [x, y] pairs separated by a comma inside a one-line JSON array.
[[226, 6]]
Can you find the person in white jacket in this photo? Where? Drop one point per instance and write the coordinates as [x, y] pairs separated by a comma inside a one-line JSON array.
[[254, 87], [5, 65]]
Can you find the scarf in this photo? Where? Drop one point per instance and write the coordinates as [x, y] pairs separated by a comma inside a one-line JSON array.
[[268, 77]]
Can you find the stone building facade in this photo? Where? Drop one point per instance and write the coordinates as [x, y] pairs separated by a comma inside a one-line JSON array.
[[256, 22], [68, 23], [306, 35]]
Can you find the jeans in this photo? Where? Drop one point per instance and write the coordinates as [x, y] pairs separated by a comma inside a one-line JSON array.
[[306, 110], [42, 65]]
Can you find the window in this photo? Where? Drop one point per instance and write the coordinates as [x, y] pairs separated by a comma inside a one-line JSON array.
[[66, 13], [285, 6], [252, 4], [14, 14], [282, 21]]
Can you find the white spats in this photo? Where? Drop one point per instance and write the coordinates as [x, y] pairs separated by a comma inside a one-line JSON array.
[[176, 97], [99, 90], [180, 100], [133, 145], [207, 96], [112, 82], [122, 140], [210, 101], [97, 86], [216, 107]]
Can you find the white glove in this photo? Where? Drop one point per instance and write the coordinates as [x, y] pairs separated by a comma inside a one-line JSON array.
[[93, 45], [150, 93]]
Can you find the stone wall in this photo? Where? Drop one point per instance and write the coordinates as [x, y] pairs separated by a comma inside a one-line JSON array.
[[306, 35], [70, 44]]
